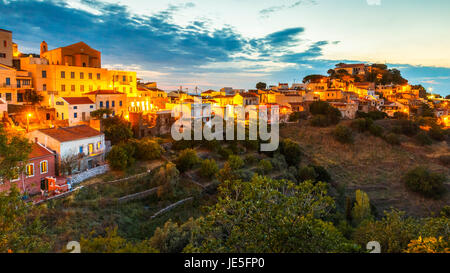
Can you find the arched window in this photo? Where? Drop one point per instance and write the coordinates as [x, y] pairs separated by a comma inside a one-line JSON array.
[[84, 64]]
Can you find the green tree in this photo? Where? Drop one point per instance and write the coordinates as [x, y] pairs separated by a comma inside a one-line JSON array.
[[423, 181], [117, 130], [101, 113], [361, 209], [343, 134], [111, 242], [235, 162], [291, 151], [146, 149], [168, 178], [261, 86], [209, 168], [267, 216], [187, 160], [264, 166], [14, 150], [172, 237], [120, 157], [21, 227], [32, 97]]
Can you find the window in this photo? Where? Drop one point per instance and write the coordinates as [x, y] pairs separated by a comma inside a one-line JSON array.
[[16, 175], [82, 88], [63, 87], [2, 55], [124, 78], [8, 96], [91, 148], [120, 103], [81, 149], [30, 170], [90, 76], [75, 115], [99, 145], [90, 88], [44, 74], [63, 74], [81, 75], [72, 75], [5, 43], [75, 107], [98, 76], [72, 88], [44, 87], [101, 104], [8, 81], [44, 166], [92, 106], [113, 103]]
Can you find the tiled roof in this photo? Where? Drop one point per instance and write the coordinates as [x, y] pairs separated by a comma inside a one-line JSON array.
[[38, 151], [249, 95], [104, 92], [65, 134], [78, 100]]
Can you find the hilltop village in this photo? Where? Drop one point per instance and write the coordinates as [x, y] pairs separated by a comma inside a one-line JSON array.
[[87, 155]]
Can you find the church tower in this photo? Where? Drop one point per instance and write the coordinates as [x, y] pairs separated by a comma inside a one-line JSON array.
[[44, 48]]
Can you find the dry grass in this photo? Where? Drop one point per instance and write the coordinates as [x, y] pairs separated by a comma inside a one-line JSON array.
[[372, 165]]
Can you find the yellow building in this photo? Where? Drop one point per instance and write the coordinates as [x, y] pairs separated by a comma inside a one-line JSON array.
[[73, 71]]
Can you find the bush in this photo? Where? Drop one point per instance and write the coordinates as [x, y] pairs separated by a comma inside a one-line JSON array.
[[423, 139], [235, 162], [400, 115], [187, 160], [324, 114], [423, 181], [296, 116], [225, 153], [291, 151], [146, 149], [392, 139], [322, 174], [362, 124], [408, 127], [250, 159], [376, 130], [377, 115], [437, 133], [306, 173], [209, 168], [343, 134], [264, 166], [120, 157], [279, 162]]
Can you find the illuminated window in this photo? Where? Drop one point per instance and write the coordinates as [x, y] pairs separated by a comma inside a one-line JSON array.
[[72, 87], [98, 76], [44, 167], [90, 76], [81, 75], [72, 75], [16, 175], [99, 145], [30, 170], [82, 88], [63, 88], [91, 148]]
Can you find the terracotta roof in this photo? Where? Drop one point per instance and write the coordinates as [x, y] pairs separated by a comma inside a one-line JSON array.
[[65, 134], [249, 95], [5, 30], [349, 65], [78, 100], [38, 151], [104, 92]]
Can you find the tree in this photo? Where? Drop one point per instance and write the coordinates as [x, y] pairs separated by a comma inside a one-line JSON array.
[[209, 168], [343, 134], [313, 78], [32, 97], [327, 114], [235, 162], [267, 216], [168, 178], [429, 245], [291, 151], [14, 150], [117, 130], [261, 86], [172, 237], [187, 160], [101, 113], [120, 157], [423, 181], [68, 163], [361, 209], [146, 149], [111, 242], [21, 229], [265, 166]]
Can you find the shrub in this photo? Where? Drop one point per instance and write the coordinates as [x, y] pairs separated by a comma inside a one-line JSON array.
[[146, 149], [319, 121], [408, 127], [250, 159], [376, 130], [225, 152], [235, 162], [392, 139], [343, 134], [423, 181], [296, 116], [322, 174], [437, 133], [264, 166], [376, 115], [187, 160], [278, 161], [362, 124], [423, 139], [291, 151], [209, 168], [119, 158], [306, 173], [400, 115]]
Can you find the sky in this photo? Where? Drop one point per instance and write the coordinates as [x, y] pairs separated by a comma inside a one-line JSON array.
[[237, 43]]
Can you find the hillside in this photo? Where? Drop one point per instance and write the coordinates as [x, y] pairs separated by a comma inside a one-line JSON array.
[[374, 166]]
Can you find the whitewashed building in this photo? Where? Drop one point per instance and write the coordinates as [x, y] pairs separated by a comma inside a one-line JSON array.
[[76, 110]]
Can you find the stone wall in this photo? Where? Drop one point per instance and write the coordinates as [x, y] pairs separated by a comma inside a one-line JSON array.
[[80, 177]]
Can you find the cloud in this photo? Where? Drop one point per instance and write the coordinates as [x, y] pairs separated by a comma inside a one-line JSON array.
[[273, 9], [374, 2]]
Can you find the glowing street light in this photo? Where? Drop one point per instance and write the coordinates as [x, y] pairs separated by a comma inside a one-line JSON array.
[[29, 115]]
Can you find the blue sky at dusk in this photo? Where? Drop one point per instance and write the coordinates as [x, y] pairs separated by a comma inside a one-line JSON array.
[[212, 44]]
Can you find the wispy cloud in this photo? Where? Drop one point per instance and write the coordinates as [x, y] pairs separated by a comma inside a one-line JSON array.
[[373, 2], [273, 9]]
